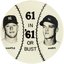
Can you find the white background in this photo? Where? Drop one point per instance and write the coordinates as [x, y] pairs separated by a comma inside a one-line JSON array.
[[6, 5]]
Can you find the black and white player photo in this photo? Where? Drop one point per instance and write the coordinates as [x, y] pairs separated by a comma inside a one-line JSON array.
[[50, 29], [10, 26]]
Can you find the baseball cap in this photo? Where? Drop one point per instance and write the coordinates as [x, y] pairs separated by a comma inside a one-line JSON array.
[[51, 19], [9, 19]]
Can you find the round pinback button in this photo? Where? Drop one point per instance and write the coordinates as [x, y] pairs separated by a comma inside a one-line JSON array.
[[32, 32]]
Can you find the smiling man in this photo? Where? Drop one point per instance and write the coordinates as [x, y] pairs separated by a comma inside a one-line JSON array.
[[10, 26], [50, 27]]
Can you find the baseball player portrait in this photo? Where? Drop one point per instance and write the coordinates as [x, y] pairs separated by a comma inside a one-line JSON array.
[[10, 40], [50, 28], [10, 26]]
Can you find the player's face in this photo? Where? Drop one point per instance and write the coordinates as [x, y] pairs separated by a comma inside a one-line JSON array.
[[11, 30], [48, 30]]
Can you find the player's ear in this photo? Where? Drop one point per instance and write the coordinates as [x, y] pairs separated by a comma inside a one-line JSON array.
[[57, 29]]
